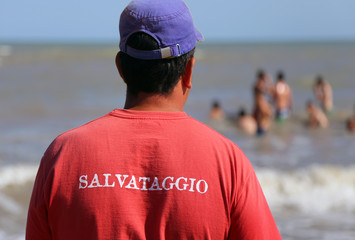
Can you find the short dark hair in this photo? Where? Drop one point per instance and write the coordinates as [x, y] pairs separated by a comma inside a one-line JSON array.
[[242, 112], [216, 104], [151, 76], [280, 75], [260, 74], [319, 79]]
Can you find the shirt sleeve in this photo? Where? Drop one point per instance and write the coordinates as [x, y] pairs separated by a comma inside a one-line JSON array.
[[251, 217], [37, 226]]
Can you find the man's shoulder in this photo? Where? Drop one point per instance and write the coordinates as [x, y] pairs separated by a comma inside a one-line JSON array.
[[208, 133], [87, 130]]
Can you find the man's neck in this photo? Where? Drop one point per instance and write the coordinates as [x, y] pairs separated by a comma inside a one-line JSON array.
[[154, 102]]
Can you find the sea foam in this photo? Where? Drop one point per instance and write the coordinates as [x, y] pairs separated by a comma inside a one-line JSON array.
[[17, 175], [318, 188]]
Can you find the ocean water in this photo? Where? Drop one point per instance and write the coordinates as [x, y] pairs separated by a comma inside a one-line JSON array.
[[308, 175]]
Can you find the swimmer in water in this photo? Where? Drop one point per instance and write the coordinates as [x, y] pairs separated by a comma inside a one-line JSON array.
[[216, 112], [316, 116], [246, 122], [282, 97]]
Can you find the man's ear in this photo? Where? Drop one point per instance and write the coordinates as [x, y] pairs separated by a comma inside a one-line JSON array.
[[187, 76], [118, 65]]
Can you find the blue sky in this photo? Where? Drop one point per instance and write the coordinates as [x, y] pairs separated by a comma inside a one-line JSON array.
[[223, 20]]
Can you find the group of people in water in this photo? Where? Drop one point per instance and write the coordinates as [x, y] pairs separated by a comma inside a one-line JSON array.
[[274, 101]]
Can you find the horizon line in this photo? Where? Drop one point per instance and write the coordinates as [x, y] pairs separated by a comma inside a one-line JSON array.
[[206, 42]]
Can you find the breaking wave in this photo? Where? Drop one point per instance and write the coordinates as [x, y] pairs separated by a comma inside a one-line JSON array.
[[318, 188]]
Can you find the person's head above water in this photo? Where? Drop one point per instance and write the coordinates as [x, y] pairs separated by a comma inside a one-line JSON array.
[[215, 104], [157, 40], [241, 112], [280, 76]]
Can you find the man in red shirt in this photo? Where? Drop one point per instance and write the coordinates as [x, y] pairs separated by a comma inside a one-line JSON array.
[[149, 171]]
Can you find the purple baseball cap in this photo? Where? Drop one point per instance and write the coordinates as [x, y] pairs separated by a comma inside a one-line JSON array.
[[169, 22]]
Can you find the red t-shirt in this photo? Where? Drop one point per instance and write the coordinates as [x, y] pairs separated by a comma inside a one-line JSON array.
[[147, 175]]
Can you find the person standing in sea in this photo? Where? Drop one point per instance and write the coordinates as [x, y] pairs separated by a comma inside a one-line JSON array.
[[262, 108], [283, 98], [324, 94], [149, 171]]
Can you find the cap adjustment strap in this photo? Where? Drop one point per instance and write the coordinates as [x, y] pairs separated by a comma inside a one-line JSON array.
[[167, 52]]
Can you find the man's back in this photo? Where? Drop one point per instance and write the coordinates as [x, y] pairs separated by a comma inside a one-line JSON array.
[[147, 175], [150, 172]]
